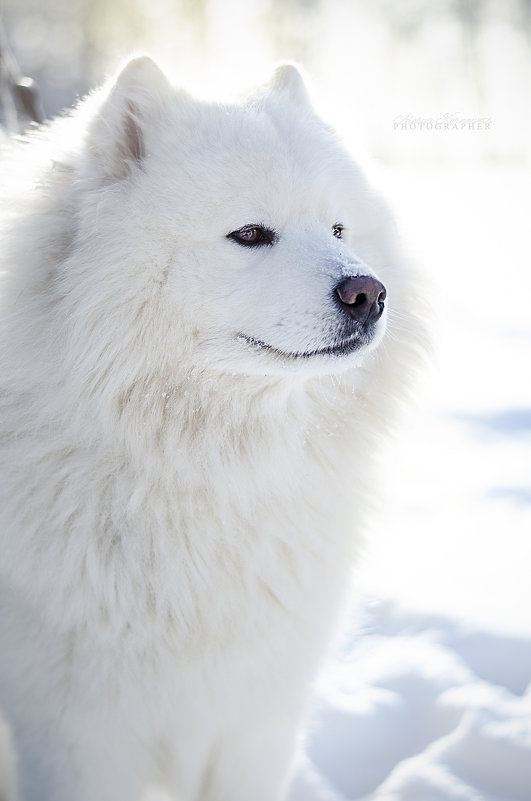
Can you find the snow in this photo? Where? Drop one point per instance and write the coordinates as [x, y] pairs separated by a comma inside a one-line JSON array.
[[421, 708], [428, 695]]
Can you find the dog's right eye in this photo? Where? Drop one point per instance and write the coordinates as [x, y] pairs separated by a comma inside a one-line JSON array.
[[253, 236]]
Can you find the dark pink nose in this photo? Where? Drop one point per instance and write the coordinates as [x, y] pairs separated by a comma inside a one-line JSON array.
[[361, 297]]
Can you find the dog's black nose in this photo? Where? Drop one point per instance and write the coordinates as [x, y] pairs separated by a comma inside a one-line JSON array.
[[361, 297]]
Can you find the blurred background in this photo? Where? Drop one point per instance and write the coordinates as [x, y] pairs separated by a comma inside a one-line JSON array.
[[374, 62], [438, 93]]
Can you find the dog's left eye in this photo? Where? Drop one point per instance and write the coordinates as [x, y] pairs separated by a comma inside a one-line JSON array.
[[253, 236], [337, 231]]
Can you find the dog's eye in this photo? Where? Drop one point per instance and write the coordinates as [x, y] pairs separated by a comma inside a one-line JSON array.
[[337, 231], [253, 236]]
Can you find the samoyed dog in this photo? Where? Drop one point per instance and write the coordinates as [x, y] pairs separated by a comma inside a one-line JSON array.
[[205, 326]]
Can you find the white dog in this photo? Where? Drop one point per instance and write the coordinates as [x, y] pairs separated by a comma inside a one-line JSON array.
[[194, 378]]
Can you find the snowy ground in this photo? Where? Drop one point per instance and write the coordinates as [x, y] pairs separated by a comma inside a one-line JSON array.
[[429, 697]]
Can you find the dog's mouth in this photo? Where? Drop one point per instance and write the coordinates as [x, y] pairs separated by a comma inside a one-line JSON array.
[[343, 347]]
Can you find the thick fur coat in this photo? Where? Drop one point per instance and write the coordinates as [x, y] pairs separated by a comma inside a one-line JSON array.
[[189, 423]]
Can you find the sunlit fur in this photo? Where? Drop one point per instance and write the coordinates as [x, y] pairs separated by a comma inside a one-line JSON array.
[[181, 510]]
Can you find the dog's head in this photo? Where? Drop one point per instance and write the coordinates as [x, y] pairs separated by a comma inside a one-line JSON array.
[[238, 236]]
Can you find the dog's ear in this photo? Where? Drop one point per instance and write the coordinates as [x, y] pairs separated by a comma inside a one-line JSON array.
[[287, 81], [117, 134]]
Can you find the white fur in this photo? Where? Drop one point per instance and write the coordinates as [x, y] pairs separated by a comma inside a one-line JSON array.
[[180, 505]]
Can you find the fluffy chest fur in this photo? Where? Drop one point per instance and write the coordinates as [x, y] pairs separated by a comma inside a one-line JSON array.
[[245, 511]]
